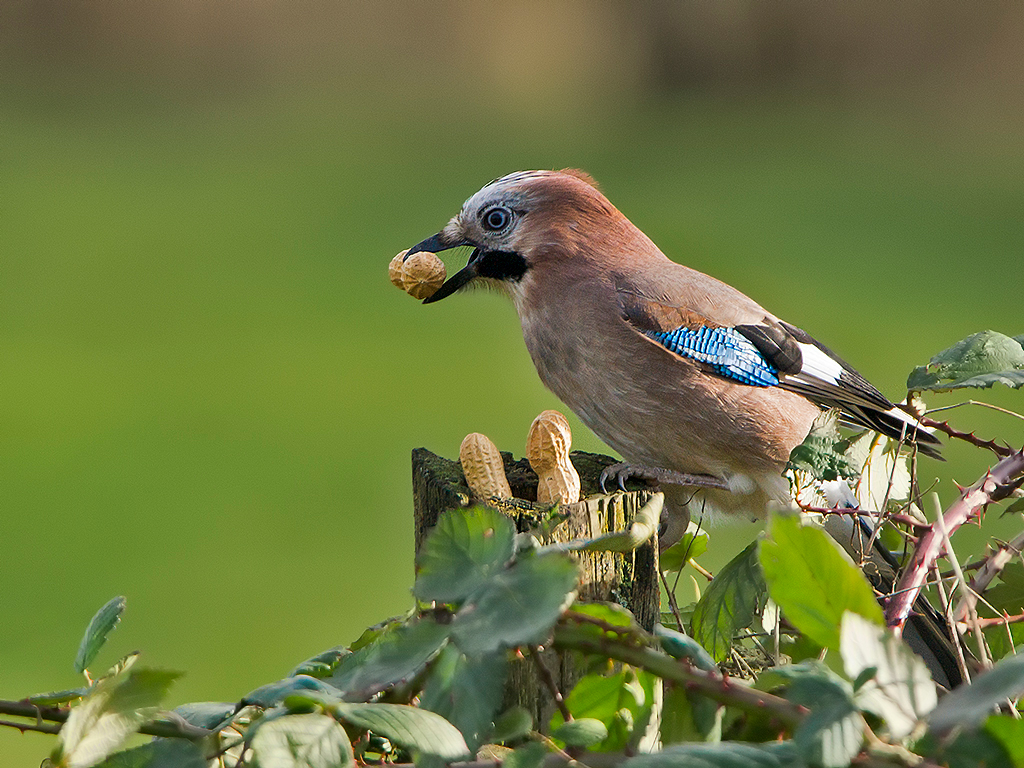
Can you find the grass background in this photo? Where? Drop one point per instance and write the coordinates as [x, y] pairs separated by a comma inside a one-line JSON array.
[[209, 389]]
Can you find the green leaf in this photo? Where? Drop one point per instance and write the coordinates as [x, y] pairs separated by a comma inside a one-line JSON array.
[[302, 741], [618, 701], [529, 755], [399, 655], [812, 582], [1009, 732], [693, 544], [114, 709], [206, 714], [969, 705], [610, 613], [163, 753], [973, 749], [466, 692], [896, 684], [1003, 639], [585, 732], [100, 626], [729, 604], [1008, 594], [56, 698], [408, 727], [272, 694], [980, 360], [323, 664], [833, 731], [680, 646], [725, 754], [513, 724], [822, 454], [465, 549], [517, 606]]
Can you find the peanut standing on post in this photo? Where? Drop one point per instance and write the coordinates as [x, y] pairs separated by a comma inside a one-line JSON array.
[[547, 449], [420, 275], [483, 468]]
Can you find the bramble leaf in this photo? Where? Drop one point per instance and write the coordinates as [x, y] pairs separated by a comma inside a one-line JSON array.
[[466, 691], [517, 606], [583, 732], [895, 682], [114, 709], [464, 549], [302, 741], [729, 604], [410, 727], [969, 705], [725, 754], [812, 582], [822, 454], [100, 626], [693, 544], [979, 361], [398, 655]]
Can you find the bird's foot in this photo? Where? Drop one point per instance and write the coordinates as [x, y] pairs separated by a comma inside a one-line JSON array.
[[656, 476]]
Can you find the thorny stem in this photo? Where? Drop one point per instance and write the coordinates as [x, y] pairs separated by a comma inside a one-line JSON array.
[[37, 727], [714, 686], [172, 727], [999, 621], [988, 569], [1001, 451], [996, 484], [549, 683]]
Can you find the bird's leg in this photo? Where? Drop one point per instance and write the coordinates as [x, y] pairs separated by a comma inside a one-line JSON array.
[[622, 472]]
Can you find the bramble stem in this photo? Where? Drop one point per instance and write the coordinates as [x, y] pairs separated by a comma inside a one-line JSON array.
[[716, 687], [996, 484]]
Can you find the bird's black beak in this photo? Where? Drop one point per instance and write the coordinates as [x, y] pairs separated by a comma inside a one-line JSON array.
[[440, 242]]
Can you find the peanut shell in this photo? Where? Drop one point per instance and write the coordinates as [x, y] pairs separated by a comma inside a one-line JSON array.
[[422, 274], [483, 467]]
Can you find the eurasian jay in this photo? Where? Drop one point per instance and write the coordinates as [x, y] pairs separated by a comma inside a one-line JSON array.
[[691, 381]]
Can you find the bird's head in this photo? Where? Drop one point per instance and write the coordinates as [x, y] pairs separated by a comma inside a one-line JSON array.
[[517, 222]]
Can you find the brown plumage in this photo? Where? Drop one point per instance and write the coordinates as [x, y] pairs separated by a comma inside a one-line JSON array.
[[593, 294]]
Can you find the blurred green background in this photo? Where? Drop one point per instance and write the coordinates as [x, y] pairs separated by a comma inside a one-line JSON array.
[[208, 388]]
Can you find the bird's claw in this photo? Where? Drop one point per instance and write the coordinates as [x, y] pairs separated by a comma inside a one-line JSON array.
[[655, 476]]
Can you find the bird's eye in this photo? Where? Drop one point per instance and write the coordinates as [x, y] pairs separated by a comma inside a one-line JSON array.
[[496, 219]]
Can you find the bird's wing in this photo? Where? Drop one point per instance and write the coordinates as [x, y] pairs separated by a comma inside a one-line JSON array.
[[767, 352]]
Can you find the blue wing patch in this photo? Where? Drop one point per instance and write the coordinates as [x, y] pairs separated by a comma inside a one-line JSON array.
[[727, 351]]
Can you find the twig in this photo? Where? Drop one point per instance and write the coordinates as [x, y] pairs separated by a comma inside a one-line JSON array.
[[954, 632], [961, 582], [37, 727], [1007, 411], [998, 621], [672, 604], [714, 686], [1001, 451], [549, 682], [172, 727], [996, 484], [989, 568], [896, 517]]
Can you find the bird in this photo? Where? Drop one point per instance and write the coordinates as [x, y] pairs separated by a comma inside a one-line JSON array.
[[697, 386]]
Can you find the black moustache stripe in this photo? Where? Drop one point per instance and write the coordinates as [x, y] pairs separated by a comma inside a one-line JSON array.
[[501, 265]]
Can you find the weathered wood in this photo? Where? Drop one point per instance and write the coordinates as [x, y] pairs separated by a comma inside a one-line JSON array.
[[629, 579]]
